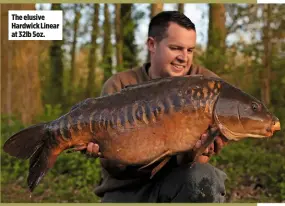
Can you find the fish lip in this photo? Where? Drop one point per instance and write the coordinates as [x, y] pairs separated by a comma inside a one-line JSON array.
[[276, 126]]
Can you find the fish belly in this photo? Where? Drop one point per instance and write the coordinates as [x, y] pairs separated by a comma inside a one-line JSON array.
[[142, 143]]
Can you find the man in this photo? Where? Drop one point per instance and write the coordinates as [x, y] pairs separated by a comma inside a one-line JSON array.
[[171, 43]]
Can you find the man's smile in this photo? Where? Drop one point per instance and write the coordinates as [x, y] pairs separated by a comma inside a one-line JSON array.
[[178, 67]]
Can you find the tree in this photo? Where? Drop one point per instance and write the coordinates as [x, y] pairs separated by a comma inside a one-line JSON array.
[[263, 21], [92, 60], [107, 45], [129, 44], [20, 84], [119, 37], [180, 8], [77, 16], [267, 59], [216, 38], [56, 63], [155, 9]]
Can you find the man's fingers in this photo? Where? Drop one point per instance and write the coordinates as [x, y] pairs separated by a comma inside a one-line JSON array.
[[204, 138], [90, 147], [211, 148], [206, 151], [219, 144], [198, 144], [93, 150]]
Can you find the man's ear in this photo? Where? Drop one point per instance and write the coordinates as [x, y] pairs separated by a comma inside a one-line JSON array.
[[151, 44]]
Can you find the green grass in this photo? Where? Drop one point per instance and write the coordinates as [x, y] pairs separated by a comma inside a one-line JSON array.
[[255, 169]]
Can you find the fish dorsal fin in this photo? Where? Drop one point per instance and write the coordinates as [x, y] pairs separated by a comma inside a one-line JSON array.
[[158, 81], [144, 84]]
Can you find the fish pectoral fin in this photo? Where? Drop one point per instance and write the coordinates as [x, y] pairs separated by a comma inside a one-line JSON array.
[[165, 154], [158, 167]]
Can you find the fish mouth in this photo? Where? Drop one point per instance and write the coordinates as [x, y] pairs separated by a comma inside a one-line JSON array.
[[275, 126], [231, 135]]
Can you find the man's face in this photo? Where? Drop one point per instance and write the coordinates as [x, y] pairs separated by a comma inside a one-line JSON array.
[[173, 55]]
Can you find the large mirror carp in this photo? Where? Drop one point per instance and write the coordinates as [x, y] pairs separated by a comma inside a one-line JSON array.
[[145, 123]]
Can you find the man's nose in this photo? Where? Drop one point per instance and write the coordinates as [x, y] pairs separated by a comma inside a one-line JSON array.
[[182, 57]]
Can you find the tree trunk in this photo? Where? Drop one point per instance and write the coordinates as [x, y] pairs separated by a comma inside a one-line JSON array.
[[267, 59], [107, 47], [92, 53], [119, 37], [216, 38], [180, 8], [128, 30], [56, 63], [20, 83], [156, 8], [73, 49]]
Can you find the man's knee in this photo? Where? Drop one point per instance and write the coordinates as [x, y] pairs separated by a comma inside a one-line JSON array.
[[200, 183]]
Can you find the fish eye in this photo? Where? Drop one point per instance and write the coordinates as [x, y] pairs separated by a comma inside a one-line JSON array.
[[254, 106]]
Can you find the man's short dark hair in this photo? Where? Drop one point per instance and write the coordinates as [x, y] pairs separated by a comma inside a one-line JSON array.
[[159, 23]]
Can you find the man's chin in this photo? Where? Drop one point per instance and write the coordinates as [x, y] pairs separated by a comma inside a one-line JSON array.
[[176, 74]]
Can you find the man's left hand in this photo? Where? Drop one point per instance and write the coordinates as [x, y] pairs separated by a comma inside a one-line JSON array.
[[213, 148]]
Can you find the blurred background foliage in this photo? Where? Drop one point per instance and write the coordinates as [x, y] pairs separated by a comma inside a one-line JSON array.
[[41, 80]]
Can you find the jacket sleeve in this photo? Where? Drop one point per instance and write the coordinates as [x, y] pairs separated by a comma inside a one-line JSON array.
[[112, 85]]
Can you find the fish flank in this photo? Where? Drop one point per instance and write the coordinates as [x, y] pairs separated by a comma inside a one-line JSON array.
[[205, 92], [138, 113], [176, 102], [106, 124], [114, 120], [100, 121], [91, 125], [166, 106], [148, 112], [144, 117], [51, 137], [156, 109], [122, 117], [130, 116], [211, 84], [61, 130]]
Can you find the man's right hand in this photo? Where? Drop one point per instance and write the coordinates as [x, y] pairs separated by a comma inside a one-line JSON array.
[[92, 150]]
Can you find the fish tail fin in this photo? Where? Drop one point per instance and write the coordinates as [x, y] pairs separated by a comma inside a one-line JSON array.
[[40, 162], [26, 142], [32, 143]]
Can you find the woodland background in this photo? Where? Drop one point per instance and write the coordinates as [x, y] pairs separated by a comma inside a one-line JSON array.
[[41, 80]]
